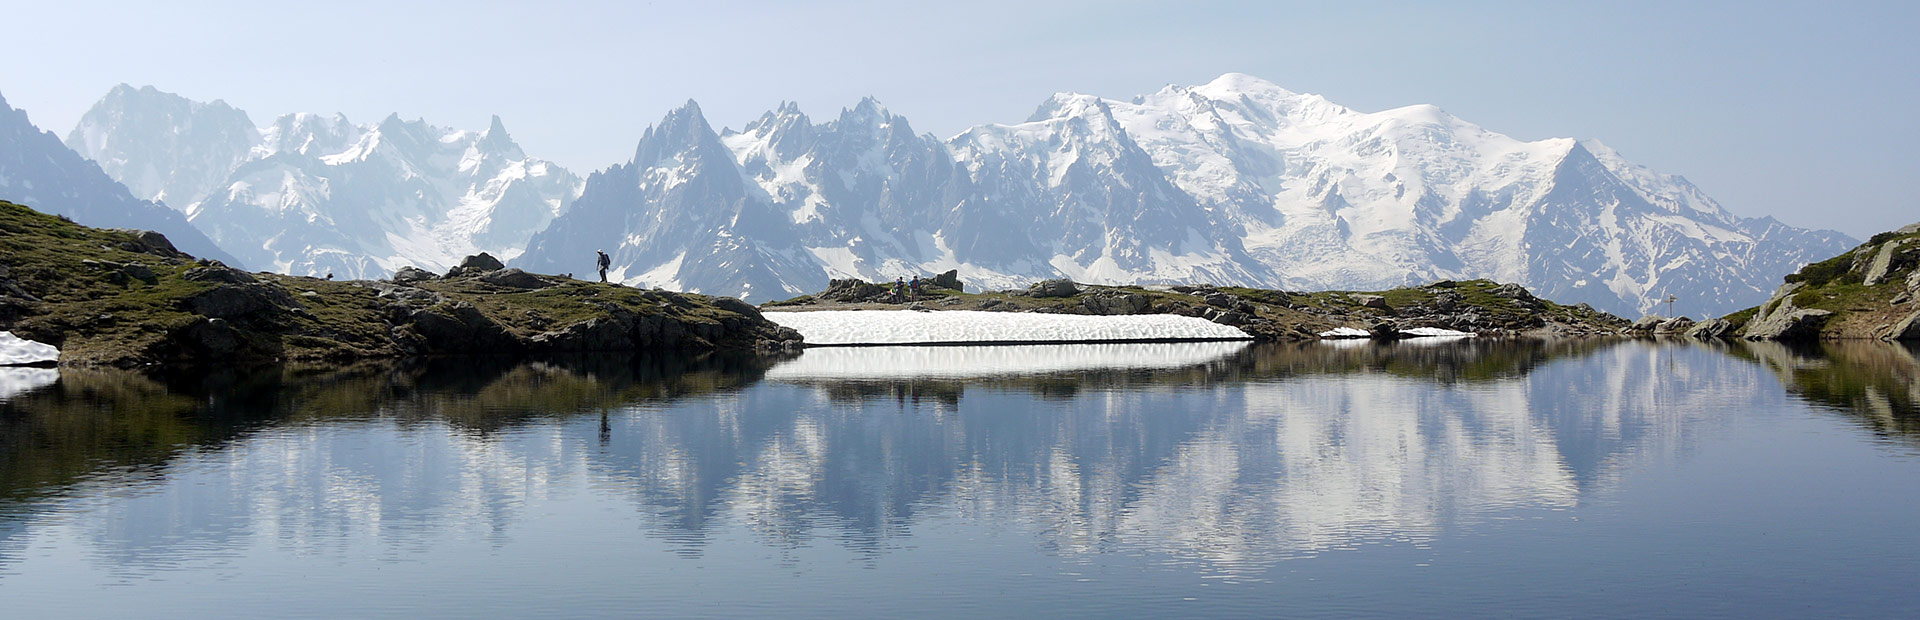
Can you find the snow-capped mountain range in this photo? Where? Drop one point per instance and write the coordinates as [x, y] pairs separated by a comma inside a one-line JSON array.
[[311, 194], [1236, 181], [38, 171]]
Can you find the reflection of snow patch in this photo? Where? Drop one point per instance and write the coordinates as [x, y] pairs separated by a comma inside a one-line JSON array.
[[909, 327], [1436, 332], [1345, 332], [17, 381], [15, 350], [838, 363]]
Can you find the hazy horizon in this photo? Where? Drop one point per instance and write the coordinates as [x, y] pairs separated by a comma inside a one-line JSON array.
[[1787, 111]]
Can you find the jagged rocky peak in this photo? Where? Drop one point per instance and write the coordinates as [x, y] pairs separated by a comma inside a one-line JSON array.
[[313, 194]]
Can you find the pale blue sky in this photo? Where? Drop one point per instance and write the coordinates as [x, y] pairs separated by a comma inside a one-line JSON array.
[[1803, 111]]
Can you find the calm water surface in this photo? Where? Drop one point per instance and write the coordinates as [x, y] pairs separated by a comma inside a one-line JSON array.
[[1570, 479]]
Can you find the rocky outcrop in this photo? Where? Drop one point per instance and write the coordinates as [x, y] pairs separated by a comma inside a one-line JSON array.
[[1791, 324], [476, 265], [513, 278], [1711, 328], [1059, 287], [949, 280], [1906, 329], [1114, 303], [411, 274]]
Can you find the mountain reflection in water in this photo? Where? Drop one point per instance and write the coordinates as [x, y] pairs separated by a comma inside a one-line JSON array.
[[1230, 457]]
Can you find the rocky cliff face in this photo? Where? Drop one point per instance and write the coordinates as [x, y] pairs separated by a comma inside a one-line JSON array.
[[1872, 291]]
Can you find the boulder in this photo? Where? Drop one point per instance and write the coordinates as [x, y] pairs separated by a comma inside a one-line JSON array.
[[216, 272], [1233, 318], [150, 242], [1369, 301], [1112, 303], [1906, 329], [949, 280], [1448, 301], [852, 290], [1058, 287], [1710, 328], [513, 278], [1384, 330], [1792, 324], [411, 274], [476, 265], [1647, 324], [1674, 325]]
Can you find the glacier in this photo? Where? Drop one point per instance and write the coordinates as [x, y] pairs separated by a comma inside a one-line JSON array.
[[1232, 182], [310, 194], [902, 327], [886, 363]]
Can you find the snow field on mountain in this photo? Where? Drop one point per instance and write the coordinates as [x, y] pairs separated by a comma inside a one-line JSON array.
[[844, 363], [847, 327]]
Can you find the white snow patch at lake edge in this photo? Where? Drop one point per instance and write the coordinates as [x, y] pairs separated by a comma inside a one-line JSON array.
[[853, 327], [15, 351]]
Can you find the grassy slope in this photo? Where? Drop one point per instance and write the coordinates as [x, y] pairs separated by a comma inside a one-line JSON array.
[[96, 320]]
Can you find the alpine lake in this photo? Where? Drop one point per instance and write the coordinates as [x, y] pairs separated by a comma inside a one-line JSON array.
[[1469, 478]]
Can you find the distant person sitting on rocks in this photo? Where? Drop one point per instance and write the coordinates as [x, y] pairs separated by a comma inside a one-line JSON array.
[[329, 275], [603, 262]]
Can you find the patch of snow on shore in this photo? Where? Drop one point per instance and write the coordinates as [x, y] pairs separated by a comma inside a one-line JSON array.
[[829, 327], [15, 351], [1346, 332], [842, 363]]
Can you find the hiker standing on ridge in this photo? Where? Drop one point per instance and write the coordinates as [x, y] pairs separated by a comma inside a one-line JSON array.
[[603, 262]]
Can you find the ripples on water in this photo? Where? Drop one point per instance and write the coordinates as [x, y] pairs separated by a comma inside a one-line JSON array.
[[1583, 478]]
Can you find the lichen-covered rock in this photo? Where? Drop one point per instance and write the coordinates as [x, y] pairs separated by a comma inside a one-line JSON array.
[[1058, 287], [150, 242], [1369, 301]]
